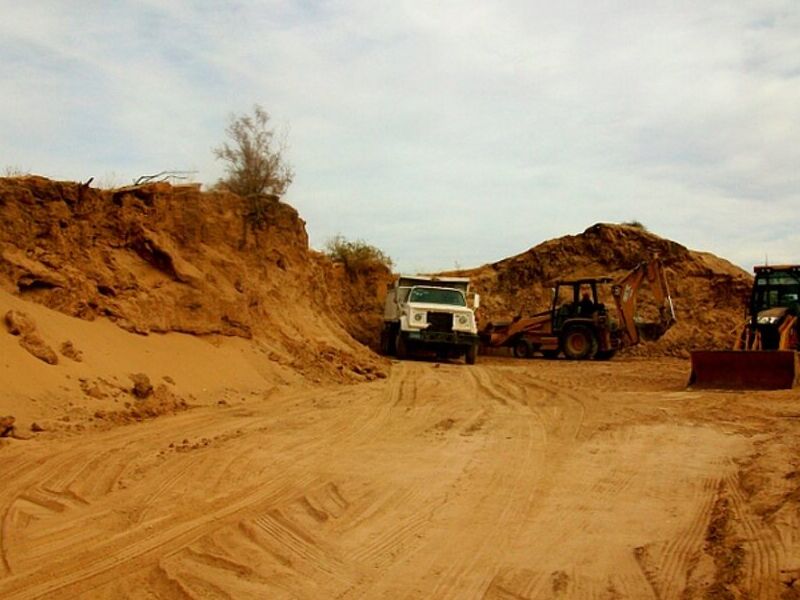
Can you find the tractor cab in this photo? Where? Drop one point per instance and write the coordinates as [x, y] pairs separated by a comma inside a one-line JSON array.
[[774, 308], [775, 287], [765, 354], [577, 299]]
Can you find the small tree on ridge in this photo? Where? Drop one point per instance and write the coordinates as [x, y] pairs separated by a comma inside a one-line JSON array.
[[255, 166]]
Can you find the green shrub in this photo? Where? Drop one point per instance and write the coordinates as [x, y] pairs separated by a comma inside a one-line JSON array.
[[356, 255]]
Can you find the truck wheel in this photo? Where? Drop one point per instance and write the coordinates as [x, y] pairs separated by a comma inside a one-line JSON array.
[[400, 346], [579, 343], [472, 354], [522, 349], [386, 343]]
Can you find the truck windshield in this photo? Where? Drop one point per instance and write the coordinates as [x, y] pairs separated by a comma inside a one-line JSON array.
[[433, 295]]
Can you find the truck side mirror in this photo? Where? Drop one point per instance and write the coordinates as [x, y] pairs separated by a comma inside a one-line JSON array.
[[476, 301]]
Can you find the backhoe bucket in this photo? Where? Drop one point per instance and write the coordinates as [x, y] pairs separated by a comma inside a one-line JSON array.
[[747, 370], [651, 331]]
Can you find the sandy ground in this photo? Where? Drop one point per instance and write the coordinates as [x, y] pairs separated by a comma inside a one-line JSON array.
[[510, 479]]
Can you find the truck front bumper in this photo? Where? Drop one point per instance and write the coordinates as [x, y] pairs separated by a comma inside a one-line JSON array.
[[450, 338]]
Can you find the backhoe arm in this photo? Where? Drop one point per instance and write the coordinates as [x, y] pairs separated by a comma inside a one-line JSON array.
[[626, 292]]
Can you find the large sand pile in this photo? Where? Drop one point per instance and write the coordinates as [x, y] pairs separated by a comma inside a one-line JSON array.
[[708, 292]]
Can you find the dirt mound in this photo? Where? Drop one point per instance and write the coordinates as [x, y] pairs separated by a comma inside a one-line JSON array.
[[708, 291], [159, 258]]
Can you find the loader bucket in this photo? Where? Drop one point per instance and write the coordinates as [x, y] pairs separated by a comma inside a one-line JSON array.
[[747, 370]]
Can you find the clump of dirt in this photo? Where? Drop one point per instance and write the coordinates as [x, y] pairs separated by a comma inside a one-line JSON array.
[[334, 362], [708, 292], [142, 388], [69, 350], [559, 581], [21, 324], [445, 424], [7, 426], [100, 388], [161, 401]]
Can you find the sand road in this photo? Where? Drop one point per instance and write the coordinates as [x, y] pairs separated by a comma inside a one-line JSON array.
[[510, 479]]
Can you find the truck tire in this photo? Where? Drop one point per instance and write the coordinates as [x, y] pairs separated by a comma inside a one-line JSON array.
[[522, 349], [386, 343], [472, 354], [579, 343], [400, 346]]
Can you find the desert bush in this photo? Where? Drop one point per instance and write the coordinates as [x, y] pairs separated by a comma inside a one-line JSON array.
[[108, 181], [15, 171], [255, 165], [636, 224], [356, 255]]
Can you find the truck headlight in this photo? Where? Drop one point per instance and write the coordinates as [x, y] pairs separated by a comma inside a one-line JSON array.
[[463, 319], [418, 317]]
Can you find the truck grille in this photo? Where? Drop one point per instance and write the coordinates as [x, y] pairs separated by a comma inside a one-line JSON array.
[[439, 321]]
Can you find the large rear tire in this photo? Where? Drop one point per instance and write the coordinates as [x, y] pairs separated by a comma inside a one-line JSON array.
[[579, 343]]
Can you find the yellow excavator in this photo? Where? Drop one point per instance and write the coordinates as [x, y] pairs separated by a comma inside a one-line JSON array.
[[765, 353], [580, 326]]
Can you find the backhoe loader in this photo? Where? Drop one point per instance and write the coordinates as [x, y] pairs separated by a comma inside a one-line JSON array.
[[764, 355], [580, 326]]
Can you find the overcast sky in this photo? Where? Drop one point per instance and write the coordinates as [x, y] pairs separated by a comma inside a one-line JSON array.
[[446, 133]]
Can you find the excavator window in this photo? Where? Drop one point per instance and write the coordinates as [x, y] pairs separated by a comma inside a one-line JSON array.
[[776, 289]]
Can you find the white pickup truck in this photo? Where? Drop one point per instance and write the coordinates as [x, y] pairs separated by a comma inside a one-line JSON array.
[[430, 313]]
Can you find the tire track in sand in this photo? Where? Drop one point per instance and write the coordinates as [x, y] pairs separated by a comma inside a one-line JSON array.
[[31, 475], [492, 496], [667, 566], [760, 543], [139, 546], [402, 386]]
